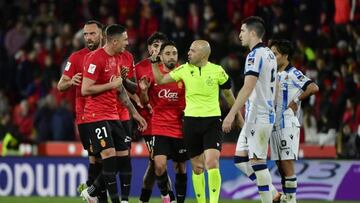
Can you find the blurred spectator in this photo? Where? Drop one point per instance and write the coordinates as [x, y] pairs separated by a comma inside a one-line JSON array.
[[310, 127], [181, 36], [348, 143], [62, 124], [9, 135], [44, 118], [193, 20], [23, 117], [16, 37], [148, 22]]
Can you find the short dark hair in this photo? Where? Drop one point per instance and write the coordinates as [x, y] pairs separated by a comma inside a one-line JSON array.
[[256, 24], [98, 24], [156, 36], [114, 29], [283, 46], [167, 43]]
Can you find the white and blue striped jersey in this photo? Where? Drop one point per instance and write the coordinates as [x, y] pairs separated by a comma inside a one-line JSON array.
[[259, 108], [292, 83]]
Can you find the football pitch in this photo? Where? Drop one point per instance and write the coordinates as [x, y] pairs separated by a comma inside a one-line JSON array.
[[132, 200]]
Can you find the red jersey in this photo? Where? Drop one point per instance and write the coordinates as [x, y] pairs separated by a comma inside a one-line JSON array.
[[73, 66], [101, 68], [126, 60], [168, 102], [144, 68]]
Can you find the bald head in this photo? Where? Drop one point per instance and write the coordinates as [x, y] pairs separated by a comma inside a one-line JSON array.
[[199, 52], [202, 46]]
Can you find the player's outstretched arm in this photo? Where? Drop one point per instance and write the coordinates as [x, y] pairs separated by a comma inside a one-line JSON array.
[[159, 77]]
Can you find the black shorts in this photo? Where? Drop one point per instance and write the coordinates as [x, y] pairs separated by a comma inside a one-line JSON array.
[[173, 148], [202, 133], [107, 134], [84, 136], [127, 125]]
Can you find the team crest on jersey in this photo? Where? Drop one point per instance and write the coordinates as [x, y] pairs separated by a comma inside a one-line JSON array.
[[250, 61], [91, 68], [209, 81], [67, 67], [102, 143]]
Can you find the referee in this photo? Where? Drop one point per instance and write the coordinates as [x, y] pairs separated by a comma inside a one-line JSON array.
[[202, 123]]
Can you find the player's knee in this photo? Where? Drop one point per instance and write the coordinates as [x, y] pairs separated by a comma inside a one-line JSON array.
[[160, 166], [180, 167], [198, 169], [92, 159], [109, 152], [212, 163]]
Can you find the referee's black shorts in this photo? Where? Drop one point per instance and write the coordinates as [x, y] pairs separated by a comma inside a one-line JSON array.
[[202, 133]]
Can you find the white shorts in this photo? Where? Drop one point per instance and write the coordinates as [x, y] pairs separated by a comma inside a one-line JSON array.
[[254, 138], [284, 143]]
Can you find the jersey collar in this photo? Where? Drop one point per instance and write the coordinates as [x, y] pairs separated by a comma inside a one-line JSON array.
[[258, 45], [288, 67]]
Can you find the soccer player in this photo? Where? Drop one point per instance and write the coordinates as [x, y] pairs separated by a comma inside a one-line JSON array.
[[202, 126], [168, 102], [292, 88], [143, 68], [72, 77], [126, 61], [258, 92], [100, 85]]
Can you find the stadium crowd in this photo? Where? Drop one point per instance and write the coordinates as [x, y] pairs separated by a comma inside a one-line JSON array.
[[36, 38]]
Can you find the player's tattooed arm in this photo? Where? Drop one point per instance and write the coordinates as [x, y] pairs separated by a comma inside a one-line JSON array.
[[123, 96]]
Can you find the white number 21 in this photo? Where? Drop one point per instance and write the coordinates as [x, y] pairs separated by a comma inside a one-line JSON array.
[[98, 132]]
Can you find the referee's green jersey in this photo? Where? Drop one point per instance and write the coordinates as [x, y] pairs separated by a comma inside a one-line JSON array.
[[201, 88]]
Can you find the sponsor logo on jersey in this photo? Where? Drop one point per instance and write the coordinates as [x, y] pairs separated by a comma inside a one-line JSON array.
[[166, 93]]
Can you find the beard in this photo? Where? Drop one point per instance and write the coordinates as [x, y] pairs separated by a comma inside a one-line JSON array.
[[170, 65], [92, 45]]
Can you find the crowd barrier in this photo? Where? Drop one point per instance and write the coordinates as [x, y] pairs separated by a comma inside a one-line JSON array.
[[326, 179], [139, 149]]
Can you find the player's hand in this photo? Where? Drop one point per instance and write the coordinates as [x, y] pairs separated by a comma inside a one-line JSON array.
[[293, 106], [124, 72], [116, 82], [76, 79], [226, 126], [149, 107], [142, 125], [155, 56], [144, 83], [238, 122]]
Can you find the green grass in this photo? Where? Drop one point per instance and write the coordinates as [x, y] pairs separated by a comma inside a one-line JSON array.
[[132, 200]]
